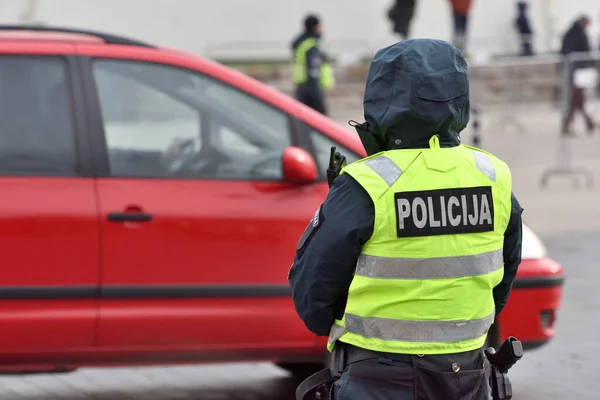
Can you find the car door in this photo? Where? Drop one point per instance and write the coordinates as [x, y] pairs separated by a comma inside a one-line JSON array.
[[48, 213], [198, 226]]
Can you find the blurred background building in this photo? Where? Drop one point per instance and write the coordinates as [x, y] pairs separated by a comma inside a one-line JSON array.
[[353, 29]]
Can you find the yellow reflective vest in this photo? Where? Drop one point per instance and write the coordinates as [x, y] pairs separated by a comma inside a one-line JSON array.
[[300, 71], [423, 282]]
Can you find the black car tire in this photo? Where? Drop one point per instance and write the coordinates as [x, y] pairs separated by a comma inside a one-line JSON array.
[[301, 369], [305, 369]]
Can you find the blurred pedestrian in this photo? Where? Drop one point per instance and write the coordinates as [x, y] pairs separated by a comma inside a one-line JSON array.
[[576, 40], [524, 28], [401, 14], [312, 72], [460, 16]]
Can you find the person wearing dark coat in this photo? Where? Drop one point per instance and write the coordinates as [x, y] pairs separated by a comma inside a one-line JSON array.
[[524, 28], [401, 14], [576, 40]]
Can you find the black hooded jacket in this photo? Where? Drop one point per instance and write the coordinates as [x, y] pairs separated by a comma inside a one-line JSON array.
[[576, 40], [415, 89]]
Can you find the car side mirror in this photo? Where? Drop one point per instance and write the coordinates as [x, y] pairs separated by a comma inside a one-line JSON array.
[[299, 167]]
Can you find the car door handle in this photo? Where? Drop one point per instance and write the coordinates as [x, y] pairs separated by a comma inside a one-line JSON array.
[[129, 217]]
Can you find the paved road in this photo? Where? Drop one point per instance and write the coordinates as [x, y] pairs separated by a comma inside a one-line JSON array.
[[222, 382], [568, 220], [566, 367]]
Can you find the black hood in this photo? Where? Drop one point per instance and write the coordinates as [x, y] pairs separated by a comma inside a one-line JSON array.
[[416, 89]]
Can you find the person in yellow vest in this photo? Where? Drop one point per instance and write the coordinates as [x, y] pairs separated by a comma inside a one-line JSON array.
[[412, 256], [312, 72]]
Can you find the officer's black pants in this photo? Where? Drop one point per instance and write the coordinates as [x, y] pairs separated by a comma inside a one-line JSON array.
[[311, 96], [415, 378]]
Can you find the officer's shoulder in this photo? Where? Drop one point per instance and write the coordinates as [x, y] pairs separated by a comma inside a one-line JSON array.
[[357, 163], [346, 185], [357, 169], [498, 162]]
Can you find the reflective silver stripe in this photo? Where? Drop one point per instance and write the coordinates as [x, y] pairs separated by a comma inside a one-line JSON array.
[[418, 331], [429, 268], [485, 164], [335, 333], [385, 168]]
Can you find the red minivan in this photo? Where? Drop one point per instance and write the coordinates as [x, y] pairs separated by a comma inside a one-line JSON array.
[[151, 203]]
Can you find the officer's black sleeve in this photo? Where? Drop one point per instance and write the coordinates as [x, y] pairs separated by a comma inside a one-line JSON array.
[[326, 254], [513, 239]]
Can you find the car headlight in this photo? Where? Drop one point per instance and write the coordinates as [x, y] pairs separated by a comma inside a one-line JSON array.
[[532, 245]]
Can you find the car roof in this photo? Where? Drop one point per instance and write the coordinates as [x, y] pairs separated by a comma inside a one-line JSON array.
[[55, 33], [47, 36], [85, 38]]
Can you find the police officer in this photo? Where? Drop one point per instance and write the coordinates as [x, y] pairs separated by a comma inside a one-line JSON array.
[[312, 73], [412, 256]]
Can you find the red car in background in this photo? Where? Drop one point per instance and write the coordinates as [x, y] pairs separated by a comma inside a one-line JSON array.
[[151, 203]]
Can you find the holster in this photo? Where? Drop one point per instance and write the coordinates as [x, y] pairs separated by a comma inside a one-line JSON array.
[[501, 387], [501, 361]]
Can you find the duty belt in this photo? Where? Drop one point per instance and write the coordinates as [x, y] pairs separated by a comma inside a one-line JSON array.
[[318, 385]]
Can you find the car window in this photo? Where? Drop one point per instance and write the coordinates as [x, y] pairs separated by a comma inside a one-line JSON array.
[[322, 145], [144, 128], [36, 121], [168, 122]]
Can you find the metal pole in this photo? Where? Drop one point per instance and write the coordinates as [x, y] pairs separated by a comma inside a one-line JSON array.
[[476, 130]]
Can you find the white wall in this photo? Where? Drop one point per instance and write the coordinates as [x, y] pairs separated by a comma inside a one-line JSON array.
[[263, 28]]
